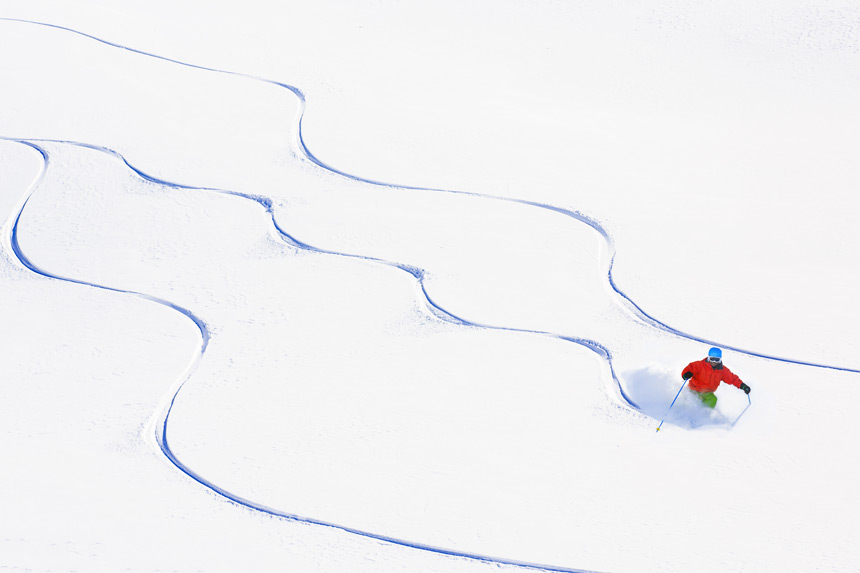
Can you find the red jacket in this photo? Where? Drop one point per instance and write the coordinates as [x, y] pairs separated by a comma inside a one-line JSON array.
[[707, 377]]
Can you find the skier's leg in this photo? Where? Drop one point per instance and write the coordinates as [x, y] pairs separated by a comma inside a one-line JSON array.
[[709, 399]]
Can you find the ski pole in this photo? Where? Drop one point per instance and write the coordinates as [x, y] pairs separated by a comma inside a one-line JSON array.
[[742, 411], [672, 404]]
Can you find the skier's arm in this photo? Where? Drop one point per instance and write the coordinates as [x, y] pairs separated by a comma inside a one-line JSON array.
[[730, 378], [689, 371]]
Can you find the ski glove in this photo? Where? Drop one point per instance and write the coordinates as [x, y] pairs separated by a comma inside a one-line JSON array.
[[745, 388], [687, 375]]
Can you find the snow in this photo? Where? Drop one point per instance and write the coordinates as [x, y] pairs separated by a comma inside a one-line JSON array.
[[388, 286]]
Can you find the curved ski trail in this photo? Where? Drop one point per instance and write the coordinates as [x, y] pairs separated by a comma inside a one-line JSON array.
[[161, 420]]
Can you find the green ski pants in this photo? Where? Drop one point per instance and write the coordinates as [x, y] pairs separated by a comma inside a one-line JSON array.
[[709, 399]]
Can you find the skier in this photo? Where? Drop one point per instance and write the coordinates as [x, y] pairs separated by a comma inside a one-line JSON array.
[[705, 376]]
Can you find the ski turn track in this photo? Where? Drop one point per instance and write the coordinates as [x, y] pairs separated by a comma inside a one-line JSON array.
[[159, 425], [298, 142], [160, 422]]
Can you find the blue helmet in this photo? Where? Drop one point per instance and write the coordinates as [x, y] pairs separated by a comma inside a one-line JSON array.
[[715, 355]]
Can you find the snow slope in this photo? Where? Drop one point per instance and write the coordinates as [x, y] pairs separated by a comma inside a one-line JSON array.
[[232, 347]]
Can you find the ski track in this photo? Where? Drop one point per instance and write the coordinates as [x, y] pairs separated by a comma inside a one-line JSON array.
[[299, 143], [162, 418], [164, 411]]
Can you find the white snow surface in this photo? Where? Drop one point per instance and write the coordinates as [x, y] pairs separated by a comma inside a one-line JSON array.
[[400, 286]]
